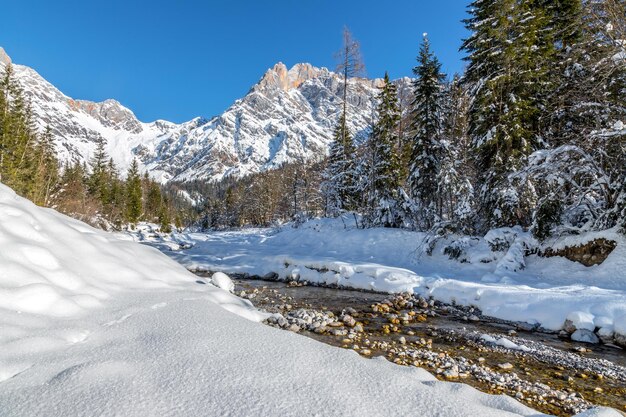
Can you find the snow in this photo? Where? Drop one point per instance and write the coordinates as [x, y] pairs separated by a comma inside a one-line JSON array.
[[91, 324], [582, 320], [223, 281], [503, 284], [504, 342]]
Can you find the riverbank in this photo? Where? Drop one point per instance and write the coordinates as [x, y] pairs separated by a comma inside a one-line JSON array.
[[489, 273], [455, 343]]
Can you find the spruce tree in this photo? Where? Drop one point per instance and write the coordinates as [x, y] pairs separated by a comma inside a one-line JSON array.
[[47, 169], [99, 181], [133, 194], [509, 53], [426, 144], [339, 186], [384, 175]]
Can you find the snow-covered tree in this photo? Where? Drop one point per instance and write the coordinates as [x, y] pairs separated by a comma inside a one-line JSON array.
[[509, 54], [339, 177], [580, 178], [383, 175], [427, 148]]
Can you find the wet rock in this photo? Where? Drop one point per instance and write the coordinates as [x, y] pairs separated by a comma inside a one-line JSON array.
[[505, 366], [569, 326], [294, 328], [620, 340], [348, 320], [451, 373]]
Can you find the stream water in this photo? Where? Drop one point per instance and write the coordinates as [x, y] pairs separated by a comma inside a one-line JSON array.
[[549, 373]]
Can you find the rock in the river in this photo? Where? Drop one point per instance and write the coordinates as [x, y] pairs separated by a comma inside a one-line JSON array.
[[348, 320], [585, 336], [505, 366], [578, 320]]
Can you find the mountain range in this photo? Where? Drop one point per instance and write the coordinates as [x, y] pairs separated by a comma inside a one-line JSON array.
[[287, 116]]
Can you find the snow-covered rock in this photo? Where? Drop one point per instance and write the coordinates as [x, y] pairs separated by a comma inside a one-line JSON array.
[[585, 336], [579, 320], [223, 281]]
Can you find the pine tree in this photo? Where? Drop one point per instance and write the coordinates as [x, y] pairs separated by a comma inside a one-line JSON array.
[[580, 178], [457, 173], [339, 186], [427, 147], [133, 194], [384, 170], [165, 221], [47, 169], [510, 51], [99, 181]]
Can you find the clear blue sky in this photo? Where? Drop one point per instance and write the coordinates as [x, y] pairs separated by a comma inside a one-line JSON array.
[[178, 59]]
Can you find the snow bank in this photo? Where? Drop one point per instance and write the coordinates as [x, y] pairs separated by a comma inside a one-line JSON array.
[[490, 273], [94, 325]]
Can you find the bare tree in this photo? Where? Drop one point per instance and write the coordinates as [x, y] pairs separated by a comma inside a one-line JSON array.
[[350, 64]]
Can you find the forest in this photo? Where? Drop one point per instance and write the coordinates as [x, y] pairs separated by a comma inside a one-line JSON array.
[[95, 192], [531, 134]]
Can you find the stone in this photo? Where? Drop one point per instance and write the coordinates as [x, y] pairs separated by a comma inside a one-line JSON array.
[[585, 336], [505, 366], [451, 373], [294, 328]]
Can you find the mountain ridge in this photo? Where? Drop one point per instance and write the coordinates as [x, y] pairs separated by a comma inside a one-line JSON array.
[[287, 116]]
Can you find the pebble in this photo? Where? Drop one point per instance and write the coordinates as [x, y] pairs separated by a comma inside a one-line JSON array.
[[505, 366]]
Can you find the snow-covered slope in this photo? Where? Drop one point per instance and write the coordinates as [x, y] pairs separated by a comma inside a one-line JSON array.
[[91, 325], [288, 116]]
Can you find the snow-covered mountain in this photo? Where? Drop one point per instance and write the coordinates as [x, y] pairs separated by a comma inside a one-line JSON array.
[[287, 116]]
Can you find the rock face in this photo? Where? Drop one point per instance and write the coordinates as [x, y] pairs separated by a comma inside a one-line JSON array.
[[588, 254], [287, 116], [4, 58]]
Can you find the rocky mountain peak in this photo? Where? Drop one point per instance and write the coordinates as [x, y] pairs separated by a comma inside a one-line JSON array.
[[111, 113], [4, 57], [279, 77]]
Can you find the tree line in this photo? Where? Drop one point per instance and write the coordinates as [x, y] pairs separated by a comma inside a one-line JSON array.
[[93, 192], [531, 134]]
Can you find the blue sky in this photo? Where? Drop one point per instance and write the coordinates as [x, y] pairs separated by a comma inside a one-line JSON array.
[[178, 59]]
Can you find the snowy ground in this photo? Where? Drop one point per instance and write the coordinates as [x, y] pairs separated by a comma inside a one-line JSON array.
[[93, 325], [546, 292]]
